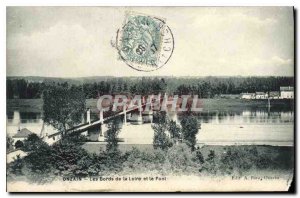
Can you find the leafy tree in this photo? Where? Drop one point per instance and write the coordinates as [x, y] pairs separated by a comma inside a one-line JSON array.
[[114, 128], [114, 156], [161, 139], [189, 126], [174, 130], [9, 89], [63, 106], [21, 88]]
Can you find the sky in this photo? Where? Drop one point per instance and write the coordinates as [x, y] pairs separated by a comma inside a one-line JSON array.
[[209, 41]]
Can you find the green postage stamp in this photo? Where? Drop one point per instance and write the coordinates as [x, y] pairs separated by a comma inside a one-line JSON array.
[[145, 43]]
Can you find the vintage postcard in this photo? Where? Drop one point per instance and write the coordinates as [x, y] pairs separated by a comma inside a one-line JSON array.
[[150, 99]]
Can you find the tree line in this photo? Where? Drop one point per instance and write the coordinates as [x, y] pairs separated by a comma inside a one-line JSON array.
[[204, 87]]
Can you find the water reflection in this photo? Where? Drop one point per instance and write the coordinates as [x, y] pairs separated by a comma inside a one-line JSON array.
[[16, 117], [212, 117], [31, 120], [216, 126], [245, 117]]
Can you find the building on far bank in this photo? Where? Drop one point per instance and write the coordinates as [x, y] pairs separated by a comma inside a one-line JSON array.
[[230, 96], [248, 96], [52, 138], [287, 92], [261, 95], [21, 136], [274, 94]]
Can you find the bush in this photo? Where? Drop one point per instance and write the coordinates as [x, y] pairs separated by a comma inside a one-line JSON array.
[[114, 159], [240, 159], [38, 176], [16, 166], [236, 159], [180, 158], [19, 144], [176, 160], [199, 157], [40, 160], [189, 131], [140, 161], [9, 144], [33, 143], [98, 164], [210, 164], [70, 159], [284, 158]]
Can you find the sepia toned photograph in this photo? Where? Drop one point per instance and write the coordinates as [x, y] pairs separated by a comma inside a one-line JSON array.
[[150, 99]]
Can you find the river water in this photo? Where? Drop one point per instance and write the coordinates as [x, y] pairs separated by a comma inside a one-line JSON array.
[[254, 126]]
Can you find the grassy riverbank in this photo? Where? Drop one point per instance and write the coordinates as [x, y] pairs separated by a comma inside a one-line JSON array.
[[36, 105], [73, 158], [237, 158]]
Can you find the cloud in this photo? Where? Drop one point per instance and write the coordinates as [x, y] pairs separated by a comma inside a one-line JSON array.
[[75, 42], [68, 50]]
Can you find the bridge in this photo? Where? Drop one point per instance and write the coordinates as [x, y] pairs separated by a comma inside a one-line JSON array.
[[98, 126]]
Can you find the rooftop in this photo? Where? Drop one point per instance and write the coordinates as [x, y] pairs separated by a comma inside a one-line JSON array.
[[23, 133]]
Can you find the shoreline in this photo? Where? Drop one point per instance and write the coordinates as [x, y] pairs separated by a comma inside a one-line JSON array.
[[212, 104]]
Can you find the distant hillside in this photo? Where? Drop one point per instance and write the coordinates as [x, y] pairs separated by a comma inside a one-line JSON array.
[[96, 79], [80, 80], [205, 87]]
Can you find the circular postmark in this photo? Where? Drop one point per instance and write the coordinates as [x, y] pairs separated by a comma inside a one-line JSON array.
[[145, 43]]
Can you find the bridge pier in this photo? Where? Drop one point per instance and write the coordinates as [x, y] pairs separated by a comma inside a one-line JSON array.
[[140, 118], [125, 116], [151, 110], [101, 122], [88, 116], [103, 129]]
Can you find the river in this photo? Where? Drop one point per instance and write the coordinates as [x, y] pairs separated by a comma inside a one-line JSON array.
[[246, 126]]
